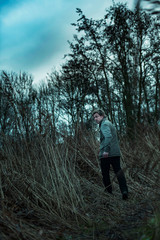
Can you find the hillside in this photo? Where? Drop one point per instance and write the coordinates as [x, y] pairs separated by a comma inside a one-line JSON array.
[[51, 191]]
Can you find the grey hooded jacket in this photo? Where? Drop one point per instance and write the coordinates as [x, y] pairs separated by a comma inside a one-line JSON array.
[[108, 139]]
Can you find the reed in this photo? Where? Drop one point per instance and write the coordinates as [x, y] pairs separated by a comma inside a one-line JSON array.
[[55, 191]]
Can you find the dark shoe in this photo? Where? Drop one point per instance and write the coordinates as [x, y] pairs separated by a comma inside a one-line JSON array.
[[107, 191], [124, 195]]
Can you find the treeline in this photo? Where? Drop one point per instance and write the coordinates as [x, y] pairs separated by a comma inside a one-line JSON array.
[[114, 64]]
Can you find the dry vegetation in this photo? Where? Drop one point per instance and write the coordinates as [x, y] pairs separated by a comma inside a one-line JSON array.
[[51, 191]]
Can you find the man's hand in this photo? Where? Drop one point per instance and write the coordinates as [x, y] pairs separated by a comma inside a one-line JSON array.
[[105, 155]]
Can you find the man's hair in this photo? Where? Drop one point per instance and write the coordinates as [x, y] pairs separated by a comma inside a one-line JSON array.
[[99, 111]]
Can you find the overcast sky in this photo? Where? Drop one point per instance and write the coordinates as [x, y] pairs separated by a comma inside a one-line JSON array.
[[34, 33]]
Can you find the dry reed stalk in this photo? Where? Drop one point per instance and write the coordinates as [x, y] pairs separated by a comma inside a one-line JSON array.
[[62, 184]]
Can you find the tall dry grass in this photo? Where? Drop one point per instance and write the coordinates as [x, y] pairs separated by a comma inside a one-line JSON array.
[[55, 191]]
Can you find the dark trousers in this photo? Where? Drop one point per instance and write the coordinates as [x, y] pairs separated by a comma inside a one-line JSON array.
[[105, 167]]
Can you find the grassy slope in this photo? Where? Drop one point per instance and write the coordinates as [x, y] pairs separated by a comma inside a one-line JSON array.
[[53, 191]]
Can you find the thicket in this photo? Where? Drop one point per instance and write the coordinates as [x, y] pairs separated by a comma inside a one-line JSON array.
[[55, 191], [50, 182]]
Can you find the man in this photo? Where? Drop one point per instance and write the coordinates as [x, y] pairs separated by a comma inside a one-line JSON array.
[[109, 153]]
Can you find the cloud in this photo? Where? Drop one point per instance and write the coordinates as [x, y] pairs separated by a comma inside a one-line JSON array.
[[30, 33], [31, 10], [35, 32]]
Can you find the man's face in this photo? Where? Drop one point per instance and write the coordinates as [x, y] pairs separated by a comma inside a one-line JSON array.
[[97, 118]]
